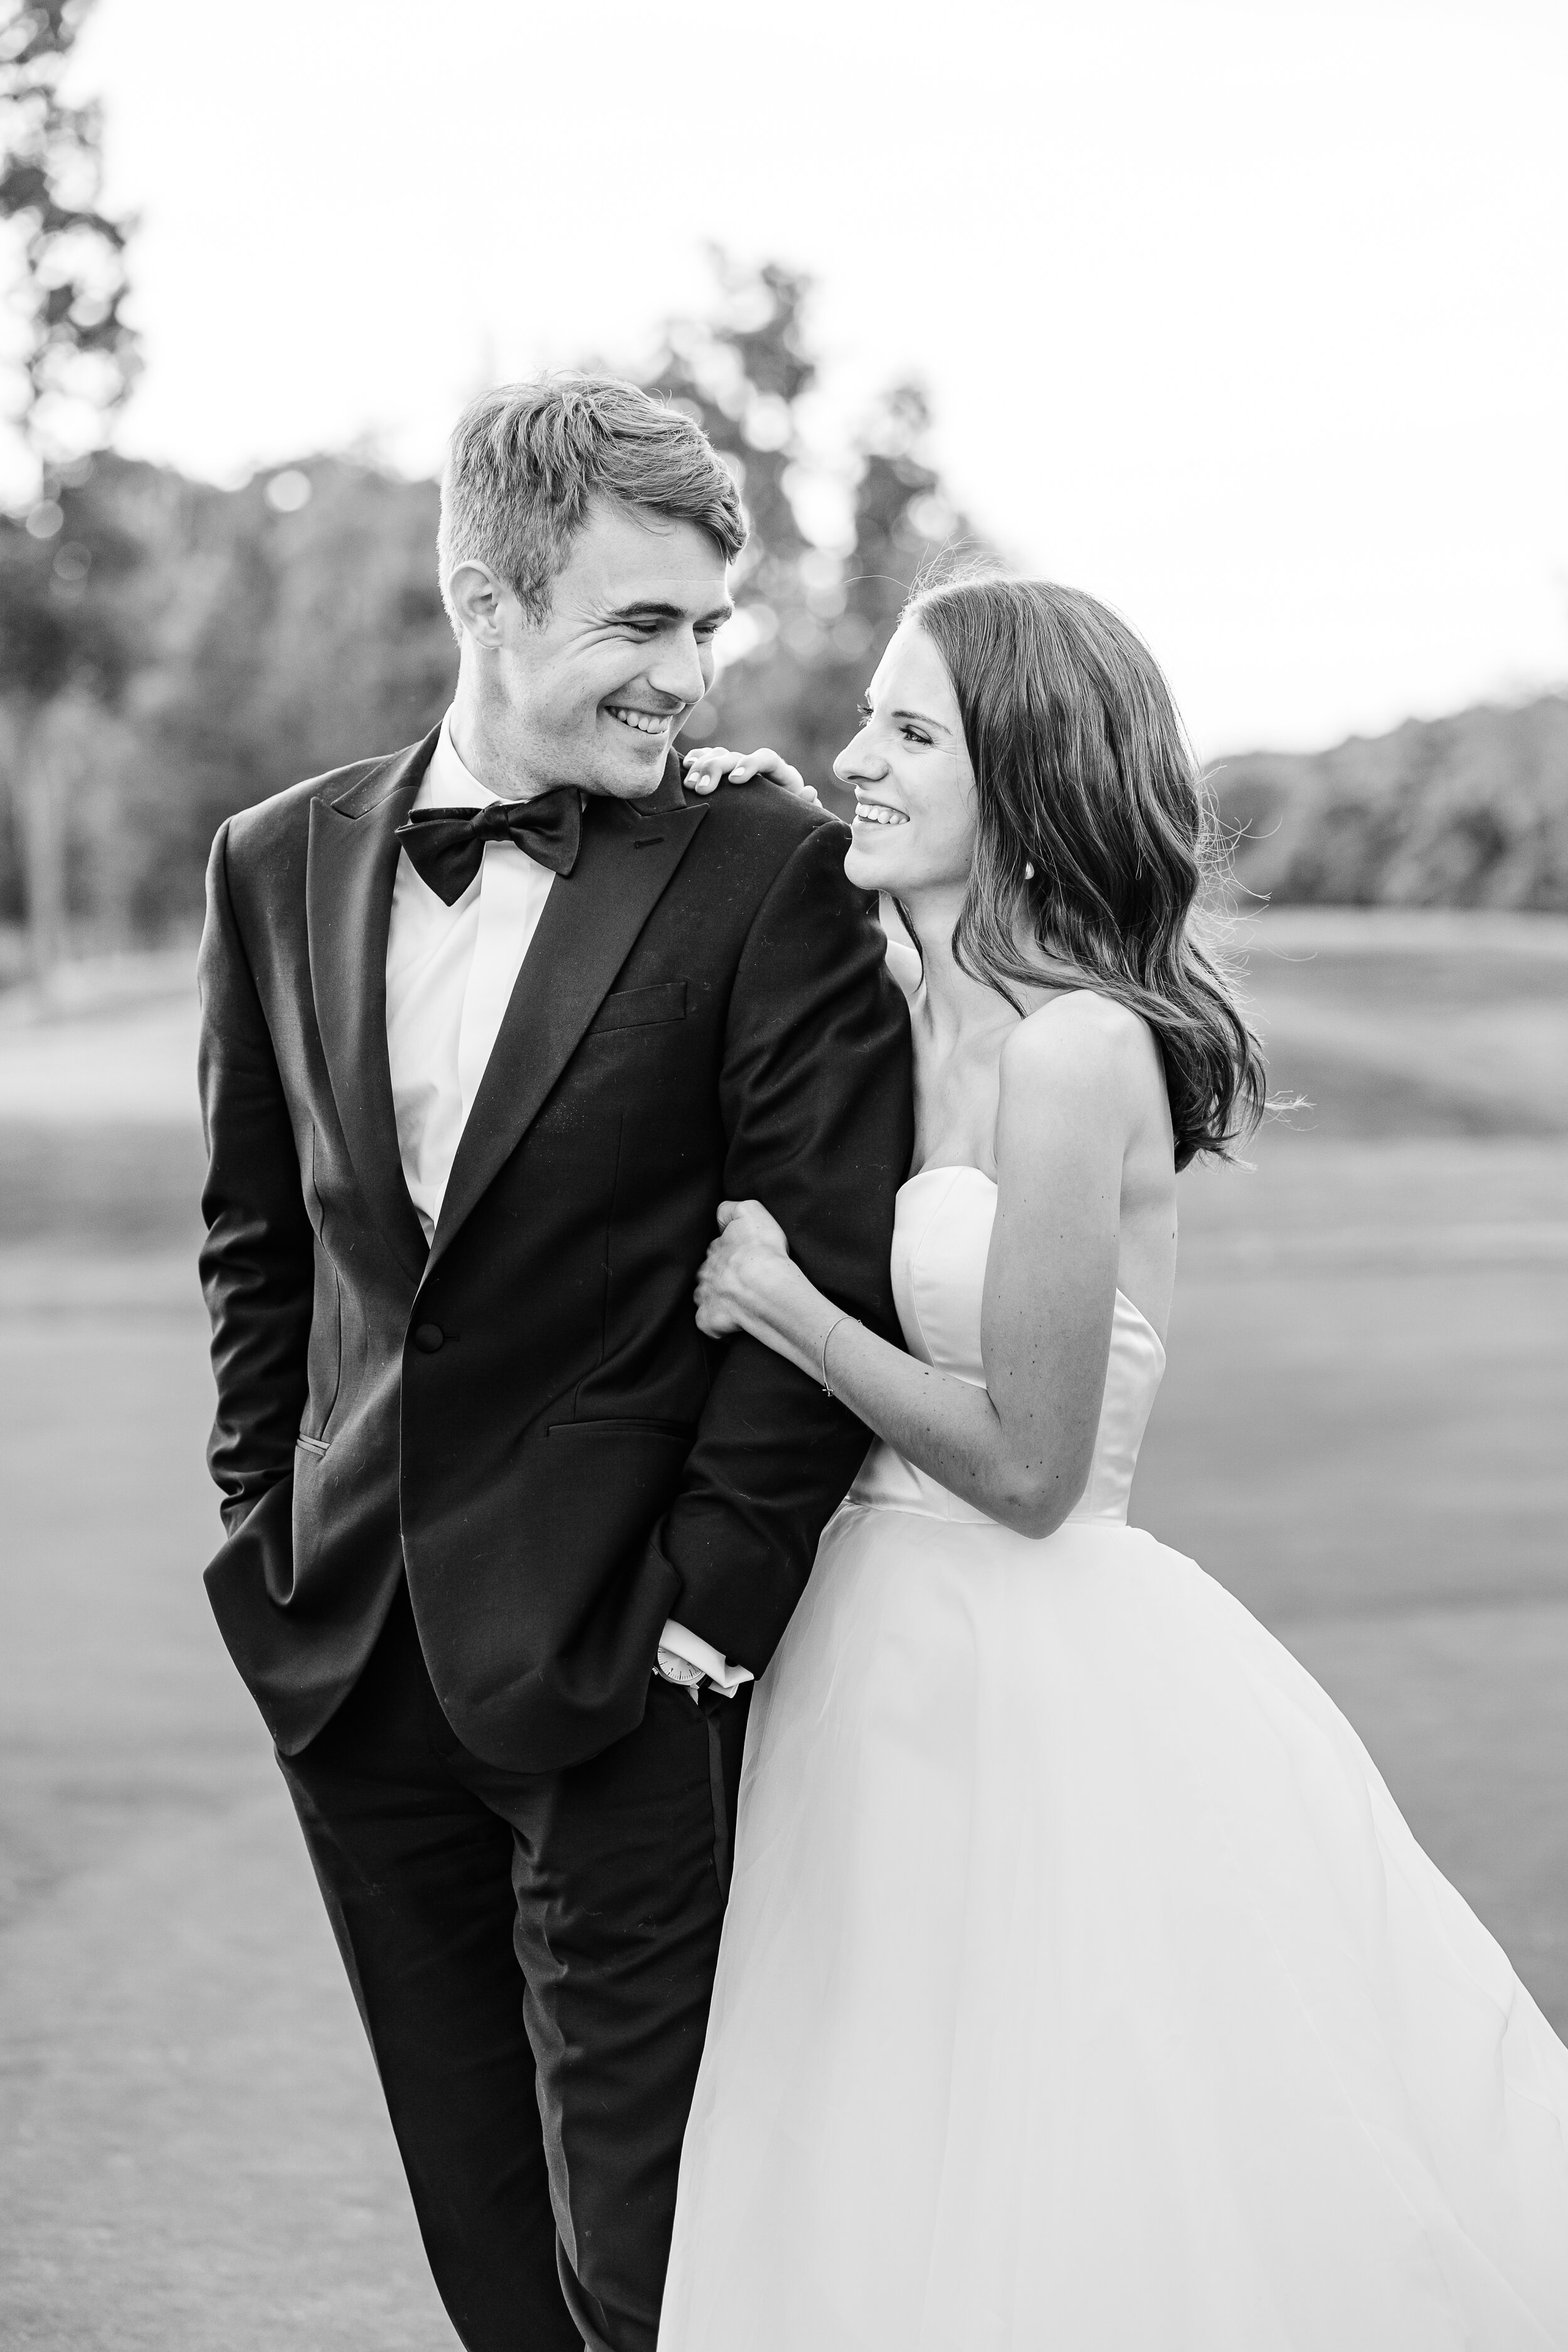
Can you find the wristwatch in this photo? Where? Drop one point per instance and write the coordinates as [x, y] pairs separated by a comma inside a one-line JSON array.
[[671, 1668]]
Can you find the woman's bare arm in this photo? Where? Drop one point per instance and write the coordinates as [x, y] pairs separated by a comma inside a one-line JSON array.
[[1074, 1082]]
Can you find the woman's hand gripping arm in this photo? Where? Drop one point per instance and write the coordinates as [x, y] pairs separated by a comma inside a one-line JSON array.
[[1073, 1076]]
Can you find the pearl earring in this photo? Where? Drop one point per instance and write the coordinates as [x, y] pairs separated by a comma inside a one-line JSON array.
[[1028, 871]]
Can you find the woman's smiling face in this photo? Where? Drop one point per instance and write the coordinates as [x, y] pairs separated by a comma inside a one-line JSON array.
[[914, 787]]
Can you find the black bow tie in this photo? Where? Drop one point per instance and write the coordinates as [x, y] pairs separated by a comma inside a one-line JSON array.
[[448, 844]]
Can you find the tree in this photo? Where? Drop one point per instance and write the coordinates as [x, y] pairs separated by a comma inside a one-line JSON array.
[[814, 609], [71, 625], [66, 647], [1468, 811], [178, 651], [304, 629]]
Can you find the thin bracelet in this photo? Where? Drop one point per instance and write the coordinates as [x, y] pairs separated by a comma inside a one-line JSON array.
[[827, 1389]]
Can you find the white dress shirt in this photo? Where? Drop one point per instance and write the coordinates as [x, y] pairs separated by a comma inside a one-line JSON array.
[[451, 972]]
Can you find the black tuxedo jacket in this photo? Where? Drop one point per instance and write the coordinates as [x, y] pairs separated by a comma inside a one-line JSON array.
[[524, 1416]]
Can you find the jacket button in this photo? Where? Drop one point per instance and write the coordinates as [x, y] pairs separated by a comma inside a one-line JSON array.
[[428, 1338]]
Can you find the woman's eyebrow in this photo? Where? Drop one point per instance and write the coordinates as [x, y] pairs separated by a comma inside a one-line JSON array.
[[922, 720]]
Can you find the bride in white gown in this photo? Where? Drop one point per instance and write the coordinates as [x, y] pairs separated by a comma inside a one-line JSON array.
[[1082, 1986]]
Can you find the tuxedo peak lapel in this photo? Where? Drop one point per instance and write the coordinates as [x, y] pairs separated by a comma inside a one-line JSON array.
[[351, 865], [671, 793], [629, 852], [380, 779]]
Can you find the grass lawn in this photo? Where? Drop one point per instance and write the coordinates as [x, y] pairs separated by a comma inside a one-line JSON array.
[[1360, 1434]]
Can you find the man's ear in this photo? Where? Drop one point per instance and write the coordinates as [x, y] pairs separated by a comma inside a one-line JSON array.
[[477, 598]]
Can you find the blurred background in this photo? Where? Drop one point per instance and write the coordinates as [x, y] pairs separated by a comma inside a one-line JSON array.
[[1248, 318]]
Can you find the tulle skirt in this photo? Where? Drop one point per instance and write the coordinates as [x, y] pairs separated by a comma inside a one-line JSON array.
[[1082, 1988]]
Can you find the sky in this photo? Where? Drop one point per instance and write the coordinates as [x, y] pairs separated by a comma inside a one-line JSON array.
[[1252, 318]]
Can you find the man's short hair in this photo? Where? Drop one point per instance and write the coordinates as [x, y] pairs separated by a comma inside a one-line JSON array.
[[527, 459]]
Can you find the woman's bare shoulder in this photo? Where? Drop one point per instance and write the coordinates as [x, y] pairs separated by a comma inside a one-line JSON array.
[[1080, 1051], [1078, 1033]]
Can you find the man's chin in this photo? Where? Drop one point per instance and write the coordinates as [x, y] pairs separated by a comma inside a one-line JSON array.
[[623, 792], [620, 780], [625, 770], [618, 785]]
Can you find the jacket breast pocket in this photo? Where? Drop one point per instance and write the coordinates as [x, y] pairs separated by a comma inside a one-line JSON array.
[[639, 1008]]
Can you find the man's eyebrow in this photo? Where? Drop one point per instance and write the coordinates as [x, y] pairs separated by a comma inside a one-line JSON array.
[[651, 608]]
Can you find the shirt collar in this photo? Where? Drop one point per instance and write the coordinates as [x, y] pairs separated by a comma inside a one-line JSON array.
[[446, 782]]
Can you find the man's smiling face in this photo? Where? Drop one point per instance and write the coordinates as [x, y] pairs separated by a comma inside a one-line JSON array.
[[598, 692]]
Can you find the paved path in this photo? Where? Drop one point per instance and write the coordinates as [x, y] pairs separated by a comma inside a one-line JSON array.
[[1360, 1432], [195, 2155]]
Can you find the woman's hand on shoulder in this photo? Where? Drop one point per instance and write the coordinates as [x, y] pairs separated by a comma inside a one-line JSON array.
[[711, 765]]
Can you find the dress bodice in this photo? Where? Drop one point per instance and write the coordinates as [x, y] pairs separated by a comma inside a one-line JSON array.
[[941, 1237]]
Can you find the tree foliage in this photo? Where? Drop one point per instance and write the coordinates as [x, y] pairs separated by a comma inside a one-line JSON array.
[[70, 631], [1468, 811], [180, 651], [269, 639], [814, 606], [68, 625], [232, 642], [79, 352]]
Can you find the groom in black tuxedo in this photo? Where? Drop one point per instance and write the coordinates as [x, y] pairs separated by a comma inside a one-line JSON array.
[[489, 1027]]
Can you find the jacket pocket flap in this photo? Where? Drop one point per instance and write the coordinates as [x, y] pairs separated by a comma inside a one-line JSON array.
[[683, 1432], [634, 1008]]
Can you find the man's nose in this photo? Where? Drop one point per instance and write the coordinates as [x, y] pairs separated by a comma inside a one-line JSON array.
[[675, 669]]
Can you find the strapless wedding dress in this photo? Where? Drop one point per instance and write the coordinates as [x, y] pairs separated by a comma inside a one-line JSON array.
[[1082, 1989]]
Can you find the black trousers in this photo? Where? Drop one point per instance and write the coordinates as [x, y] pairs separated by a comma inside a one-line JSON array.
[[532, 1955]]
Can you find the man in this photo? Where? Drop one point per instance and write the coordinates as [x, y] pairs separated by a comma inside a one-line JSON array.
[[489, 1028]]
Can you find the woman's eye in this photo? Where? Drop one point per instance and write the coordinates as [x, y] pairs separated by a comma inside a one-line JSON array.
[[913, 735]]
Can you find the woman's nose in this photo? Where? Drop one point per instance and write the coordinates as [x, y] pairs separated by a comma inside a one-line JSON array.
[[858, 759]]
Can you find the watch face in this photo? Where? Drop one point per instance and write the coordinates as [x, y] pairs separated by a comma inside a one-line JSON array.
[[673, 1668]]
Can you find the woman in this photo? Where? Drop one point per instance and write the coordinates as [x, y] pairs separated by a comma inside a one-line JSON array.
[[1081, 1985]]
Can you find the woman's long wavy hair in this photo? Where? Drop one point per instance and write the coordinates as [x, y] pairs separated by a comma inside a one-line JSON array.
[[1083, 772]]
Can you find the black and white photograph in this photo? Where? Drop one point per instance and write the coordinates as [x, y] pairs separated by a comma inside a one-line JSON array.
[[783, 1176]]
